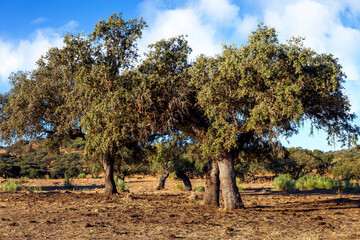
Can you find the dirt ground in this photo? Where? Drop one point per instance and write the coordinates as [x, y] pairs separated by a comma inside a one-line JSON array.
[[86, 213]]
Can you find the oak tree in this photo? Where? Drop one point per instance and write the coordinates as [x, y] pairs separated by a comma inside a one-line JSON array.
[[264, 90]]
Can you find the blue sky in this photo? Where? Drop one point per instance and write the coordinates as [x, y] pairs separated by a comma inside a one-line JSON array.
[[29, 28]]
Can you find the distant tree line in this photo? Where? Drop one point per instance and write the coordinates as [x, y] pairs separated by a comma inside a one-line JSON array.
[[29, 159]]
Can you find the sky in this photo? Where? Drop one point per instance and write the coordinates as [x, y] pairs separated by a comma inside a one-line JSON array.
[[29, 28]]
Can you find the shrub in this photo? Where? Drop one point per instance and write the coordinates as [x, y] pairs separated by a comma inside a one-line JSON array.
[[284, 182], [309, 182], [82, 175], [121, 185], [9, 186], [347, 186], [199, 189], [238, 181], [179, 187], [67, 183]]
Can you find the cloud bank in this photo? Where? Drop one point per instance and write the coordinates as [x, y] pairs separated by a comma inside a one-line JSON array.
[[22, 55]]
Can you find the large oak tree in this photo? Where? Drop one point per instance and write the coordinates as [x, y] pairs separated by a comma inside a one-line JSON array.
[[264, 90], [83, 89]]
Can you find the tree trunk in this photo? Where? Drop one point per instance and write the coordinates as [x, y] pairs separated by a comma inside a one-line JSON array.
[[230, 191], [108, 162], [163, 180], [212, 185], [185, 179]]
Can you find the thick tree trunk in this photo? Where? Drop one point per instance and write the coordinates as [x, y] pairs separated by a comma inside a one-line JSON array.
[[230, 191], [212, 185], [185, 179], [108, 162], [163, 180]]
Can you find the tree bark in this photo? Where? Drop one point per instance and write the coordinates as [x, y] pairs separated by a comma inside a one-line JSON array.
[[185, 179], [230, 191], [108, 163], [163, 180], [212, 185]]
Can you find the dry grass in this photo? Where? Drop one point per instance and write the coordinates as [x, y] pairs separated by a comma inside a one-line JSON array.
[[148, 214]]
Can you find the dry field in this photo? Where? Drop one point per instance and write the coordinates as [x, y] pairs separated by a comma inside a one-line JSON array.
[[55, 213]]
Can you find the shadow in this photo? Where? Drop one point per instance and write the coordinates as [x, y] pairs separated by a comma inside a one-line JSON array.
[[74, 187], [269, 191], [292, 207]]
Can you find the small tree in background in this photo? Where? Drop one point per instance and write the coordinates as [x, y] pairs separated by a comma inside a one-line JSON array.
[[170, 157]]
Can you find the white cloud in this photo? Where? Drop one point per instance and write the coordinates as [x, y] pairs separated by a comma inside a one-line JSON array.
[[321, 24], [22, 55], [39, 20], [70, 26], [201, 20], [218, 11], [172, 23]]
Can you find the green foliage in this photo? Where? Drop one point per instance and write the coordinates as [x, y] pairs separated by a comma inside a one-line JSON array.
[[35, 163], [248, 165], [179, 187], [310, 182], [346, 166], [121, 185], [70, 165], [81, 175], [199, 189], [9, 171], [172, 156], [95, 168], [67, 183], [130, 160], [347, 186], [297, 161], [284, 182], [18, 147], [261, 89], [78, 144], [9, 186]]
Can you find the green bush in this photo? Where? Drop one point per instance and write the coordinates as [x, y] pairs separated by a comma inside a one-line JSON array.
[[296, 161], [199, 189], [9, 186], [82, 175], [121, 185], [347, 186], [67, 183], [284, 182], [309, 182], [179, 187]]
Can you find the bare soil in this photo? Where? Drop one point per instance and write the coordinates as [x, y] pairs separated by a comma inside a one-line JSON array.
[[143, 213]]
